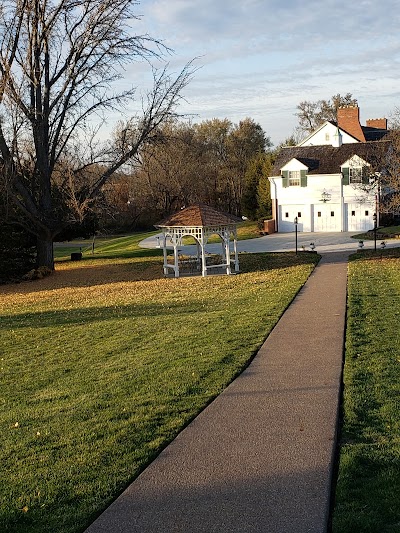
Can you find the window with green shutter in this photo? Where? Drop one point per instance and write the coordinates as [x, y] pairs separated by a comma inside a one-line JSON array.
[[355, 175], [285, 178], [303, 178], [345, 178], [365, 175], [294, 178]]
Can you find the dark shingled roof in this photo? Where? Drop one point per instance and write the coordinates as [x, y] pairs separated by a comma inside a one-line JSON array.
[[373, 134], [198, 215], [325, 159]]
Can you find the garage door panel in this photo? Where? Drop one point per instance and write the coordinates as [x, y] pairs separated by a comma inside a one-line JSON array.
[[327, 217], [359, 217], [287, 214]]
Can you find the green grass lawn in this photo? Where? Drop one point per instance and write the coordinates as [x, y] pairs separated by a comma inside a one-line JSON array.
[[368, 490], [248, 230], [381, 233], [392, 230], [105, 361], [110, 247]]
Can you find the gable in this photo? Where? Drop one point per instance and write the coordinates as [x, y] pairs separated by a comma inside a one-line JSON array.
[[294, 173], [326, 135], [294, 164], [355, 162]]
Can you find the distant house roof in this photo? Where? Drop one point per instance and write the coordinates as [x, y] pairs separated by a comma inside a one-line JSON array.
[[322, 126], [370, 134], [326, 159], [199, 216], [374, 134]]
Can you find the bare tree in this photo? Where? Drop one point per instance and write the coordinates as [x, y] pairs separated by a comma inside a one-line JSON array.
[[388, 175], [58, 62], [313, 114], [380, 178]]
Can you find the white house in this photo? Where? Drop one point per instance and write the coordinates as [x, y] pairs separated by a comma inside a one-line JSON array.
[[325, 181]]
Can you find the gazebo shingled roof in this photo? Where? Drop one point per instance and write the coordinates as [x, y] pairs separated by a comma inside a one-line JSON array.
[[198, 215]]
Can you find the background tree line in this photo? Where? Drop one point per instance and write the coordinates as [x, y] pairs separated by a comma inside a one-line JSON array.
[[215, 162]]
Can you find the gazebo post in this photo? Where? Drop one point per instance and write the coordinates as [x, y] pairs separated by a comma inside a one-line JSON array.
[[203, 257], [227, 253], [236, 254], [176, 258], [165, 253], [203, 266], [198, 253]]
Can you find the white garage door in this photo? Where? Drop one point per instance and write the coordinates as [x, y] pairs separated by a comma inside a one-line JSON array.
[[327, 217], [359, 217], [287, 214]]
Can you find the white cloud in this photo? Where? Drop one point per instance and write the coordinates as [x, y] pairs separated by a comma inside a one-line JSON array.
[[262, 57]]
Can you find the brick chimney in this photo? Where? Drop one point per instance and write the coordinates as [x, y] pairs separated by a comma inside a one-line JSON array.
[[380, 123], [348, 119]]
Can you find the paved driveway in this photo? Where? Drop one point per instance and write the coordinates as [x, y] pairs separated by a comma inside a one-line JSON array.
[[283, 242]]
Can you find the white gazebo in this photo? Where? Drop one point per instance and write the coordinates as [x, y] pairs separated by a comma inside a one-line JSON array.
[[200, 222]]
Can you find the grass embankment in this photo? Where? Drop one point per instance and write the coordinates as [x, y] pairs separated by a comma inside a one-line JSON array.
[[368, 490], [390, 232], [105, 361], [248, 230]]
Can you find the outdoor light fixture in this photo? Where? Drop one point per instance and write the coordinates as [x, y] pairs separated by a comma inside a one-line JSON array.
[[383, 244], [312, 246], [325, 197]]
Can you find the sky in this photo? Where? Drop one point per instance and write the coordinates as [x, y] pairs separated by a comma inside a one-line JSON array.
[[261, 58]]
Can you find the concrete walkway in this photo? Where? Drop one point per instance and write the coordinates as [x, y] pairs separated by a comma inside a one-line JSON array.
[[259, 458]]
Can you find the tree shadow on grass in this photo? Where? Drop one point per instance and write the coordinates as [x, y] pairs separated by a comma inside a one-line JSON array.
[[89, 275], [90, 315], [119, 270]]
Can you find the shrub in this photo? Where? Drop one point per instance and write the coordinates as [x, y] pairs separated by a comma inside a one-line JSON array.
[[17, 252]]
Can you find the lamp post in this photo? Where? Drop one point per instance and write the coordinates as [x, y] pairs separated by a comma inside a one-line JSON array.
[[295, 229], [374, 218]]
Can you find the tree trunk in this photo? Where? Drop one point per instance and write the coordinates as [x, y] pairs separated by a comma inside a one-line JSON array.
[[45, 254]]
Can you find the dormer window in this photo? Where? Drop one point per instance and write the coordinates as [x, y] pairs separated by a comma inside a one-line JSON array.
[[294, 178], [355, 175]]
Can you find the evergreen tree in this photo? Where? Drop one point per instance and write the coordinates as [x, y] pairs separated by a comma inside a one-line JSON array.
[[256, 199]]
